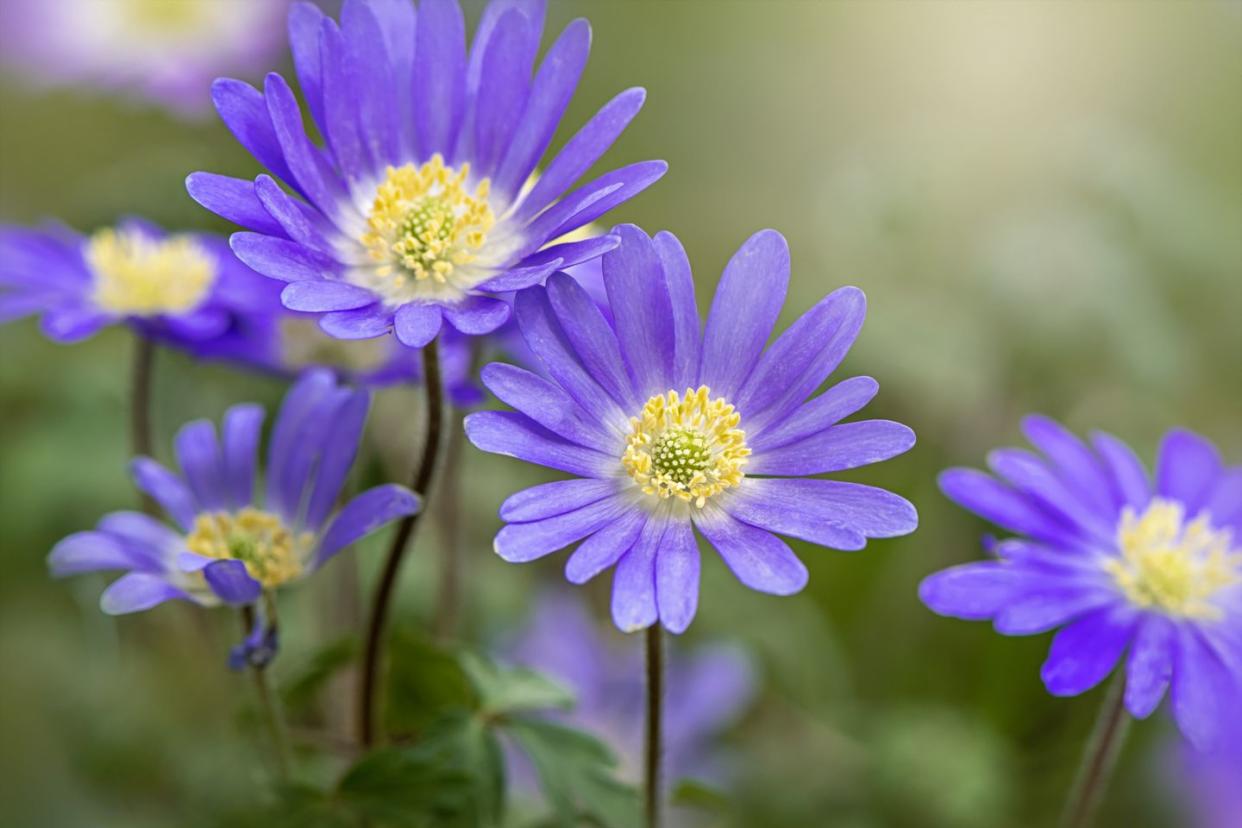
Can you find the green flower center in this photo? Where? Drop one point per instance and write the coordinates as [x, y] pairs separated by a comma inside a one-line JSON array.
[[679, 454]]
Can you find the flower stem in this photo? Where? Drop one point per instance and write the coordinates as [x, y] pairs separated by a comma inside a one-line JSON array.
[[1100, 757], [269, 702], [655, 696], [140, 405], [368, 688]]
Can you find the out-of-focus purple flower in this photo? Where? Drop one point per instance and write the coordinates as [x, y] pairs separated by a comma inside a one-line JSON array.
[[168, 51], [232, 541], [1121, 562], [183, 289], [1211, 782], [423, 205], [668, 429], [712, 687]]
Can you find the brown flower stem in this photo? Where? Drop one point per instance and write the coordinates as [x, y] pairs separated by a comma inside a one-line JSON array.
[[269, 701], [1100, 757], [655, 697]]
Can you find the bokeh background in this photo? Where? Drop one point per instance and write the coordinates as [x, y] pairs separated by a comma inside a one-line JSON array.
[[1043, 203]]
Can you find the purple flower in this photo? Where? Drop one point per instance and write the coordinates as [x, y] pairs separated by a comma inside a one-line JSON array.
[[1209, 782], [232, 541], [164, 50], [424, 203], [714, 687], [181, 288], [1124, 564], [667, 429]]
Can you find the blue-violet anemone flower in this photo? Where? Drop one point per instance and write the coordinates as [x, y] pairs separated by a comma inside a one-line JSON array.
[[232, 541], [1123, 564], [668, 429], [424, 202], [182, 289]]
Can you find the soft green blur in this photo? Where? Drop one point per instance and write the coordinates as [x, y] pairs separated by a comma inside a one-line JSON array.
[[1042, 201]]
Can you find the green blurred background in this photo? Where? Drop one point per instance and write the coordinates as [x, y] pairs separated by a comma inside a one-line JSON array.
[[1043, 203]]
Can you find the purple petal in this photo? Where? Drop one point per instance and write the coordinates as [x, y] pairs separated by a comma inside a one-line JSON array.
[[166, 488], [295, 219], [141, 530], [633, 583], [1041, 610], [571, 254], [377, 98], [313, 175], [759, 559], [305, 22], [343, 87], [478, 315], [300, 405], [686, 326], [590, 201], [520, 278], [1225, 502], [677, 576], [1072, 461], [202, 464], [642, 310], [283, 259], [1150, 666], [503, 68], [325, 295], [550, 499], [369, 511], [1186, 469], [230, 581], [522, 542], [416, 325], [592, 338], [604, 548], [233, 199], [972, 592], [829, 408], [14, 306], [72, 324], [1029, 474], [996, 502], [515, 435], [1202, 690], [869, 511], [1085, 652], [845, 446], [136, 592], [340, 447], [439, 75], [93, 552], [240, 430], [1131, 486], [549, 406], [751, 506], [363, 323], [748, 300], [244, 112]]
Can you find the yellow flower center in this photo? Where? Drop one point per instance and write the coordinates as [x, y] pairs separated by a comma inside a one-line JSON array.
[[271, 552], [687, 447], [139, 276], [160, 16], [1173, 566], [424, 228]]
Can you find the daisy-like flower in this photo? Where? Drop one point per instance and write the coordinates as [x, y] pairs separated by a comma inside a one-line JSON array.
[[179, 288], [1125, 565], [668, 429], [232, 541], [423, 203], [168, 51]]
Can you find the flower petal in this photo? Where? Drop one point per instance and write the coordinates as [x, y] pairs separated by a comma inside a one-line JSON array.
[[233, 199], [1150, 666], [806, 504], [822, 412], [362, 323], [550, 499], [439, 75], [839, 447], [240, 440], [1186, 469], [417, 324], [369, 511], [642, 310], [633, 583], [604, 548], [166, 488], [516, 435], [677, 576], [231, 583], [477, 315], [283, 259], [202, 464], [973, 591], [522, 542], [1086, 651], [549, 406], [759, 559], [136, 592], [1131, 485]]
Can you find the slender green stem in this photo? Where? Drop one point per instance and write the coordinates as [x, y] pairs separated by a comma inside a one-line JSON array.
[[368, 686], [269, 700], [655, 698], [141, 374], [1100, 757]]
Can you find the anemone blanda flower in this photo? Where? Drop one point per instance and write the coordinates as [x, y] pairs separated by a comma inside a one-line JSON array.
[[167, 51], [1125, 565], [424, 203], [231, 541], [180, 288], [668, 429]]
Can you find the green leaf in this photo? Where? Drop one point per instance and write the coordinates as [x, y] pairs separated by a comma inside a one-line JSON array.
[[577, 774], [404, 787], [301, 691], [694, 793], [505, 690], [425, 682]]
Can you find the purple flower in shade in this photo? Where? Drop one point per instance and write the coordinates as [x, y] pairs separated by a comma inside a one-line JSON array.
[[668, 429], [168, 51], [715, 686], [232, 542], [1124, 564], [424, 204], [181, 288], [1209, 781]]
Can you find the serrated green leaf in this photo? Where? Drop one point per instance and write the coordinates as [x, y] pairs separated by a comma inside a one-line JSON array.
[[506, 690], [577, 774]]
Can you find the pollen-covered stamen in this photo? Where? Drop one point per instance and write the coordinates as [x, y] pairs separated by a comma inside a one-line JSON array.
[[687, 447], [272, 553], [1171, 565], [136, 275], [424, 225]]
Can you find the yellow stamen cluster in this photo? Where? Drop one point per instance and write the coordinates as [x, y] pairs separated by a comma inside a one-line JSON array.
[[688, 447], [161, 16], [271, 552], [424, 224], [139, 276], [1173, 566]]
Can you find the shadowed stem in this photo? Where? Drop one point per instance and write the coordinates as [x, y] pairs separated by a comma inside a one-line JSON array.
[[1100, 757], [368, 688], [273, 715], [655, 697], [140, 406]]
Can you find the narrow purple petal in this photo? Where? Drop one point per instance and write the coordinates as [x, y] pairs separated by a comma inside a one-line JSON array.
[[590, 201], [1046, 609], [570, 254], [416, 325], [231, 583], [1150, 665], [633, 582], [686, 326], [844, 446], [1131, 485], [592, 338], [202, 464], [240, 440], [867, 510], [516, 435], [312, 174], [439, 75], [233, 199], [519, 278], [604, 548], [1186, 469], [299, 406], [677, 576], [136, 592], [166, 488], [1225, 502], [340, 447], [503, 83], [244, 112], [478, 315], [1202, 690], [1072, 461], [305, 22], [549, 406], [838, 402], [72, 324], [343, 87], [295, 219], [362, 323], [1031, 475], [550, 499], [1086, 651], [93, 552], [522, 542], [642, 310], [996, 502], [759, 559], [282, 259], [369, 511], [973, 591], [751, 506], [325, 295]]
